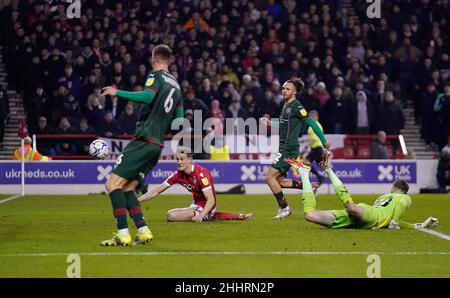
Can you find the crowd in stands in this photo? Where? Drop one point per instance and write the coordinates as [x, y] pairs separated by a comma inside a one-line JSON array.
[[231, 59]]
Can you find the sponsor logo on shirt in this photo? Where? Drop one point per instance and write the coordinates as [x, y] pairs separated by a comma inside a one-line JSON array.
[[303, 112], [149, 82], [205, 181]]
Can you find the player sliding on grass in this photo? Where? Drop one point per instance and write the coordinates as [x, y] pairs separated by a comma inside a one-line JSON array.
[[386, 212], [292, 119], [199, 182], [162, 103]]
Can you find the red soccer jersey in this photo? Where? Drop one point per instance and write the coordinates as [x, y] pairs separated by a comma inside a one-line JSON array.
[[198, 180]]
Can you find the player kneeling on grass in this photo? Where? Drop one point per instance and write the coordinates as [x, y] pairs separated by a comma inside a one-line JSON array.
[[386, 212], [198, 181]]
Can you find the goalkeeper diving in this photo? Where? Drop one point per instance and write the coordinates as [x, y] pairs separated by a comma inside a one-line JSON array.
[[386, 212]]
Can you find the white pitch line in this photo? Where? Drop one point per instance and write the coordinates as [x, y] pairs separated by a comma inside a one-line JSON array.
[[175, 253], [436, 233], [10, 199]]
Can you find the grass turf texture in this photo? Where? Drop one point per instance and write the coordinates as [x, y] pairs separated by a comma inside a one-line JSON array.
[[76, 224]]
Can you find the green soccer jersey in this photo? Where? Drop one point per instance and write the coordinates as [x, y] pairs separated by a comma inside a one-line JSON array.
[[156, 117], [292, 118], [387, 207]]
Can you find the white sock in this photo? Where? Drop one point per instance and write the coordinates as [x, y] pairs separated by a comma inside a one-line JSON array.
[[143, 229], [124, 231]]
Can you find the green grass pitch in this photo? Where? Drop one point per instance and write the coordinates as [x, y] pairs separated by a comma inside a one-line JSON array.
[[55, 226]]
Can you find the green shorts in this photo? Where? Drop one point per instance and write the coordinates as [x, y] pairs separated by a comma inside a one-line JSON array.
[[279, 163], [137, 160], [343, 220]]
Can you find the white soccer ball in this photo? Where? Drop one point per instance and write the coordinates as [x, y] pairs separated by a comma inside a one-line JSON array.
[[99, 149]]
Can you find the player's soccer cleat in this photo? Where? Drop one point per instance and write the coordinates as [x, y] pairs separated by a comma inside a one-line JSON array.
[[246, 216], [301, 167], [118, 240], [284, 212], [325, 163], [143, 238]]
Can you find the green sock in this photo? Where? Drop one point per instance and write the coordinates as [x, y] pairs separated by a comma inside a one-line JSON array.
[[339, 187], [134, 209], [343, 194], [119, 204], [334, 179], [309, 200], [307, 187]]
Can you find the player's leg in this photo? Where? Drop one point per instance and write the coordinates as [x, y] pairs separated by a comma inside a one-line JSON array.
[[222, 215], [290, 183], [272, 177], [320, 217], [324, 218], [181, 214], [114, 187], [316, 156], [353, 210], [144, 234]]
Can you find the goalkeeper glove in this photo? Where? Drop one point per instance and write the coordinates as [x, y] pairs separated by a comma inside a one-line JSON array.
[[430, 222]]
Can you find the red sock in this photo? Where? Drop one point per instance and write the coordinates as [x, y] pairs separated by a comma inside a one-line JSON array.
[[227, 216]]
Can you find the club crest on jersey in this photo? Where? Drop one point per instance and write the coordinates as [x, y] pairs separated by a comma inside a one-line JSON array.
[[303, 112], [205, 181], [149, 82]]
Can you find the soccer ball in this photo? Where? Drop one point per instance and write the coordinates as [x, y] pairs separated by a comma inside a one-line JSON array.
[[99, 149]]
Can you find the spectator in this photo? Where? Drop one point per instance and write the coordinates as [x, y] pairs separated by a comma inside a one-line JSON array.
[[321, 94], [84, 129], [194, 103], [66, 146], [249, 104], [108, 126], [28, 154], [378, 149], [337, 113], [95, 111], [428, 130], [442, 111], [39, 106], [216, 112], [235, 110], [364, 114], [196, 22], [391, 117], [43, 128], [443, 170], [127, 120], [72, 108]]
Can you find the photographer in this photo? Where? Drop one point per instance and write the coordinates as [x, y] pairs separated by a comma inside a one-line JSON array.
[[443, 170]]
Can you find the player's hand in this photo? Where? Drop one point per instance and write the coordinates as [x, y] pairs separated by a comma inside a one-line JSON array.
[[197, 218], [327, 145], [430, 222], [265, 121], [110, 90]]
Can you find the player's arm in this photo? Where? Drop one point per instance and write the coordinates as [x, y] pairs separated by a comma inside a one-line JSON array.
[[153, 193], [179, 117], [319, 133], [210, 201], [145, 96], [397, 223], [303, 115]]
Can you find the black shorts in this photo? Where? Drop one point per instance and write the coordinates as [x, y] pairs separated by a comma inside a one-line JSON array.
[[315, 155]]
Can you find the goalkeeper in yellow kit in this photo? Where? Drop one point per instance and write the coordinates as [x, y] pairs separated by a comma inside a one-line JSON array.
[[386, 212]]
